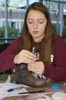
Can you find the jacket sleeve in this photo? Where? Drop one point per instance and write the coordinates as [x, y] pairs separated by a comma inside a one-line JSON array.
[[57, 70], [7, 56]]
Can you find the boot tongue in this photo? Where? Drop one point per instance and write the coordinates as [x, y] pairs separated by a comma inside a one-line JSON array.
[[23, 66]]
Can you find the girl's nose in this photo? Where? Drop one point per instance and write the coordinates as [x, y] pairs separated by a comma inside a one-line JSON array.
[[35, 25]]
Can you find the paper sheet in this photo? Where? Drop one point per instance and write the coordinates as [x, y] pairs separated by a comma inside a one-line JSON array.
[[4, 87]]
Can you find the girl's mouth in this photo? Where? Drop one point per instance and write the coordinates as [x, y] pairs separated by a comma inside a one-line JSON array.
[[35, 32]]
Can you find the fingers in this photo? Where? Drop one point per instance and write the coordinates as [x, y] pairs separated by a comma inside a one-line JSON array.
[[28, 55], [24, 56], [37, 67], [27, 60]]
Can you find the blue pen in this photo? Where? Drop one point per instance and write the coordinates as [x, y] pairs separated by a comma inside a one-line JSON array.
[[12, 89]]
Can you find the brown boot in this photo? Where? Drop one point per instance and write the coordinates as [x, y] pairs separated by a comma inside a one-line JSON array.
[[21, 75]]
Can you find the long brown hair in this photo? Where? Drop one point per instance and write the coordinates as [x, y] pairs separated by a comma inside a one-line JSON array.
[[46, 46]]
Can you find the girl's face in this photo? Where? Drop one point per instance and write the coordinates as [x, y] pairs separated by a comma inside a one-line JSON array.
[[36, 23]]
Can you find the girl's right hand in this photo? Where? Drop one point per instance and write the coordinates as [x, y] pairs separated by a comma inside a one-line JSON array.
[[24, 56]]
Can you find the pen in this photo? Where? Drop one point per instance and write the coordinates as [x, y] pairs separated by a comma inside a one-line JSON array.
[[12, 89], [39, 91]]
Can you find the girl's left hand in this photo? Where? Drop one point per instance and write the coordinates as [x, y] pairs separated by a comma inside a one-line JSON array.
[[37, 67]]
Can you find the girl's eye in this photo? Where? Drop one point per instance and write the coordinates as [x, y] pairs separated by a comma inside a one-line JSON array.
[[30, 21], [41, 22]]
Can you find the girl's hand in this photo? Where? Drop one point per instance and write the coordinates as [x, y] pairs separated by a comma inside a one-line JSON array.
[[37, 67], [24, 56]]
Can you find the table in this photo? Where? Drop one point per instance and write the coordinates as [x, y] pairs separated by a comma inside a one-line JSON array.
[[46, 88]]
